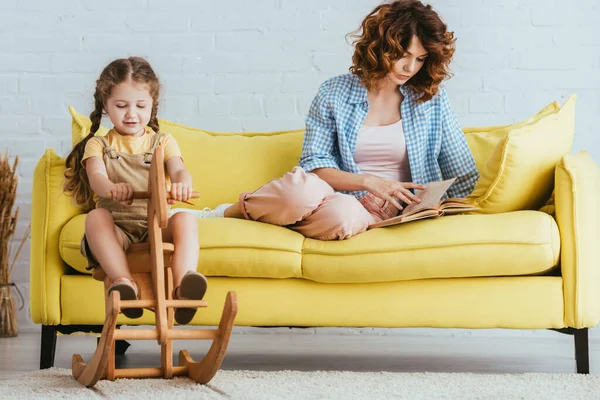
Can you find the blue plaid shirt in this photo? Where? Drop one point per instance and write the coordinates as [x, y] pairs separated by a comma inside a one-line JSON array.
[[435, 142]]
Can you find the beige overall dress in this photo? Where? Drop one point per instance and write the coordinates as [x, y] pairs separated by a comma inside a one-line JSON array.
[[132, 220]]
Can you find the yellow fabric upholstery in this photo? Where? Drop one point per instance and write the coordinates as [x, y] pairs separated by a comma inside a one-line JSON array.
[[577, 194], [514, 303], [520, 173], [228, 247], [51, 209], [412, 258], [248, 161], [70, 241], [80, 127], [223, 165], [483, 140], [520, 243]]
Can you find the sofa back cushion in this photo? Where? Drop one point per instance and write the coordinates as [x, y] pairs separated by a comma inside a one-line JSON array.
[[483, 140], [226, 164], [223, 165], [519, 174]]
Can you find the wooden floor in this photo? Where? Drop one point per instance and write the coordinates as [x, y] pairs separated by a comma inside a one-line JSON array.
[[306, 351]]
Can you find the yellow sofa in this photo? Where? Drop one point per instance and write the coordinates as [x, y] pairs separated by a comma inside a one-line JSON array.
[[523, 269]]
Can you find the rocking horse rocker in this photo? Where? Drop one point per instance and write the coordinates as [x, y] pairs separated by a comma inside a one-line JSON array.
[[149, 264]]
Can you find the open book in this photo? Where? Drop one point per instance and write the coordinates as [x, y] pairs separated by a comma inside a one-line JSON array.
[[430, 205]]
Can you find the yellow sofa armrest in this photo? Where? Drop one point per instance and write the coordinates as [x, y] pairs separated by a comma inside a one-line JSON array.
[[577, 191], [51, 210]]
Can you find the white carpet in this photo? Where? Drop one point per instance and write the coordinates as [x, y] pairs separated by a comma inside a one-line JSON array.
[[58, 383]]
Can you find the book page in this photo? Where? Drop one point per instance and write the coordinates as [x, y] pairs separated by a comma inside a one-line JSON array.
[[457, 206], [455, 202], [402, 219], [430, 197], [458, 210], [429, 213]]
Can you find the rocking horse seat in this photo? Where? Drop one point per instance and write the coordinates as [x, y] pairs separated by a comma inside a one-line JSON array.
[[138, 259]]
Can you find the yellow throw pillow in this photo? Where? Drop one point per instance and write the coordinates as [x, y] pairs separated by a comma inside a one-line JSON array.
[[80, 127], [223, 165], [482, 141], [519, 174]]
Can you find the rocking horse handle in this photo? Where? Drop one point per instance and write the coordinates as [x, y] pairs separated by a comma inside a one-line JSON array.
[[146, 195]]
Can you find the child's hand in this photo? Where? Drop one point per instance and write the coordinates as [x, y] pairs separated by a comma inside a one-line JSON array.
[[180, 192], [122, 193]]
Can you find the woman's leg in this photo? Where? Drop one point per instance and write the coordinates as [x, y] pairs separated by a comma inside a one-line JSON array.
[[106, 241], [340, 216], [234, 211], [283, 201]]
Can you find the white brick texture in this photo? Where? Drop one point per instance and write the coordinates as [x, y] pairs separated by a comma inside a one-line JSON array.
[[256, 65]]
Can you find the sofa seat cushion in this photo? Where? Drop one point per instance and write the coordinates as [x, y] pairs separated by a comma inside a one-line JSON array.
[[228, 247], [516, 243], [508, 244]]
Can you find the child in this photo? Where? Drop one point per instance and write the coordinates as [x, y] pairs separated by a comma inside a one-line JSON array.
[[119, 164]]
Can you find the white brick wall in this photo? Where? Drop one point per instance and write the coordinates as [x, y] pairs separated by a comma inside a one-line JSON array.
[[255, 65]]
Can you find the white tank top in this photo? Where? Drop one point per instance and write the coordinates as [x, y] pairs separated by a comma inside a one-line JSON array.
[[381, 151]]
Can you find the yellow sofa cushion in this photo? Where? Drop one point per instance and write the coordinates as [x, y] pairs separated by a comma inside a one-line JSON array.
[[520, 172], [471, 303], [521, 243], [226, 164], [516, 243], [228, 247], [483, 140], [223, 165]]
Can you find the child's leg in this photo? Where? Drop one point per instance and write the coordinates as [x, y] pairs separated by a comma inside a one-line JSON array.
[[283, 201], [182, 231], [106, 243], [340, 216]]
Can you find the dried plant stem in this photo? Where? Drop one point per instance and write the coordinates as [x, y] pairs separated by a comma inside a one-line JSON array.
[[8, 225], [23, 240], [8, 313]]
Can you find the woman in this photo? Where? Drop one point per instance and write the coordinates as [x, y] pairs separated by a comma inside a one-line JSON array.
[[372, 135]]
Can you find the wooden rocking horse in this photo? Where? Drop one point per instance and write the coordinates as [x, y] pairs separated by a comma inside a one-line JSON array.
[[149, 264]]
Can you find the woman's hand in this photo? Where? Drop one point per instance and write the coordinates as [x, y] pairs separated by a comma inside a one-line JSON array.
[[122, 193], [390, 190], [180, 192]]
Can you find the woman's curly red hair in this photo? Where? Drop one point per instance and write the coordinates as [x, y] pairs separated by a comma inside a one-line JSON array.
[[386, 34]]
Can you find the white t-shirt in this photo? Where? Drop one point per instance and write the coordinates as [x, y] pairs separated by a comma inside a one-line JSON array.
[[381, 151]]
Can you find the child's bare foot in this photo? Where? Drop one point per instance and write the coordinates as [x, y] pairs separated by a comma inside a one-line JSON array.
[[129, 291], [193, 287]]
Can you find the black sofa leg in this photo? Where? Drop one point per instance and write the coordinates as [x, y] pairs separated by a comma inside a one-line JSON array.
[[582, 354], [48, 346], [121, 346]]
